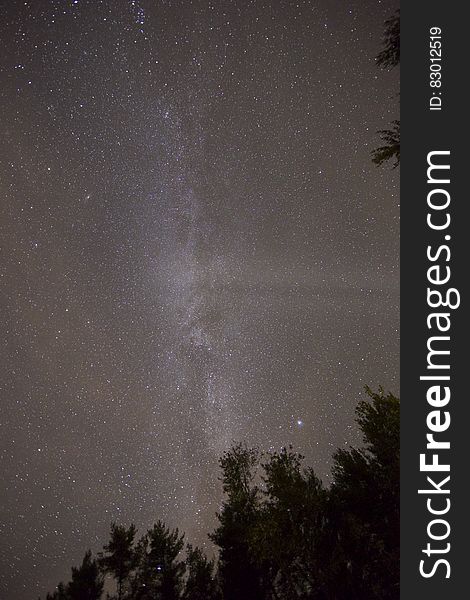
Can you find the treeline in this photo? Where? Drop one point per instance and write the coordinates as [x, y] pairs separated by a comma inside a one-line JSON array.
[[281, 533]]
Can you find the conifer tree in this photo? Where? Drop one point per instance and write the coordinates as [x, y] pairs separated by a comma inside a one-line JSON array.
[[159, 573], [119, 557], [87, 581], [201, 583]]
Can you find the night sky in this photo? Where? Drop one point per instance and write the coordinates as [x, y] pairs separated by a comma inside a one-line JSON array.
[[195, 249]]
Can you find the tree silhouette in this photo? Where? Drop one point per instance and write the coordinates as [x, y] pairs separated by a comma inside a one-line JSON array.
[[389, 58], [119, 557], [391, 148], [59, 594], [282, 535], [201, 583], [159, 573], [239, 575], [290, 524], [364, 500], [87, 581]]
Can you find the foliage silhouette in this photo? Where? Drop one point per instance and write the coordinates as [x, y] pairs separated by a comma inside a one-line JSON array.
[[119, 557], [239, 575], [281, 534], [86, 583], [201, 582], [389, 58], [391, 148], [159, 573]]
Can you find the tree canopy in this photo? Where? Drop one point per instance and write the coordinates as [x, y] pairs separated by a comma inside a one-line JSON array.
[[389, 58], [281, 533]]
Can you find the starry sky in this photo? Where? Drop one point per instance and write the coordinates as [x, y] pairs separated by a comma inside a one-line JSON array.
[[195, 249]]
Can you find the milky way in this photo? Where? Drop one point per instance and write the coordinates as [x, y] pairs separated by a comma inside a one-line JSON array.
[[196, 249]]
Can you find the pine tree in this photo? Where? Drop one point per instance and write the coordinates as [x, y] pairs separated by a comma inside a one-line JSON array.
[[59, 594], [119, 557], [159, 573], [201, 583], [389, 58], [87, 582]]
